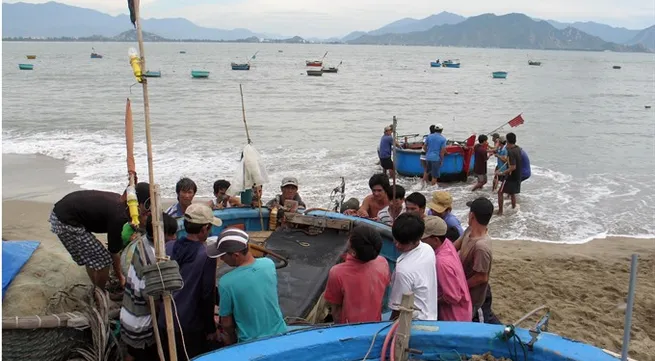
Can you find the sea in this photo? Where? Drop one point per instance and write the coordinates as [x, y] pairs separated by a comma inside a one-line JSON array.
[[587, 130]]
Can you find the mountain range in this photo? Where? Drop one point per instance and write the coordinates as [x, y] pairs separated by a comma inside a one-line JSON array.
[[56, 20]]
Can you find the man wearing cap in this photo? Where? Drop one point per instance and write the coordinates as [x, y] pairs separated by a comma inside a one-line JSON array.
[[501, 160], [79, 214], [435, 150], [356, 287], [386, 150], [454, 298], [441, 205], [289, 188], [476, 256], [249, 306], [415, 271], [195, 302]]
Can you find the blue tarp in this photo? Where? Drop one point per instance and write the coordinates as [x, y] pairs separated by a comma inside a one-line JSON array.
[[14, 255]]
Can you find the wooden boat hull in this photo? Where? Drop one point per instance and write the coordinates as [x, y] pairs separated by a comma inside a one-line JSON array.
[[534, 63], [318, 72], [330, 70], [96, 56], [616, 67], [236, 66], [199, 74], [435, 339], [25, 66], [313, 63], [451, 65], [499, 74], [31, 56], [152, 74], [435, 64]]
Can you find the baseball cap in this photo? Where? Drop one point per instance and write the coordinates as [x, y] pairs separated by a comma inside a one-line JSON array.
[[441, 200], [438, 127], [388, 127], [482, 209], [434, 226], [143, 193], [201, 214], [502, 139], [289, 181], [231, 240]]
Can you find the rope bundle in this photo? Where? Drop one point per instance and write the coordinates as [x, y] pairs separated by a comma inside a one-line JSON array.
[[162, 277]]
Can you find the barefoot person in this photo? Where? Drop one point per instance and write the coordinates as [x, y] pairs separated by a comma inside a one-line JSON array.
[[435, 151], [377, 200], [386, 150], [481, 157], [78, 215], [512, 183]]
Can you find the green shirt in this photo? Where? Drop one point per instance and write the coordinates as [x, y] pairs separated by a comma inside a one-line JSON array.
[[127, 233], [249, 294]]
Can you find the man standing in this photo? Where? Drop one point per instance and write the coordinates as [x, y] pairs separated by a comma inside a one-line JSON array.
[[415, 271], [386, 150], [481, 157], [249, 306], [512, 183], [476, 256], [435, 150], [355, 288], [196, 301], [79, 214], [454, 298], [185, 189], [442, 205]]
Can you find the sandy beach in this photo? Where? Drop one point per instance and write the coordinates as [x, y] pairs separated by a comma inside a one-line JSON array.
[[585, 285]]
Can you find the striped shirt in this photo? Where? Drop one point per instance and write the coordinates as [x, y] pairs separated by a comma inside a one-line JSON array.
[[385, 217], [136, 320], [175, 210]]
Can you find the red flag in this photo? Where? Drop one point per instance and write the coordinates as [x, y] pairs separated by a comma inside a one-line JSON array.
[[518, 120]]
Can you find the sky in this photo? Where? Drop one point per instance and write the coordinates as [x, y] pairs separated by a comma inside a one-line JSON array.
[[321, 18]]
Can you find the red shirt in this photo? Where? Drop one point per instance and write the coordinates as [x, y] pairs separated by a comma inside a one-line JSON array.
[[454, 298], [359, 288]]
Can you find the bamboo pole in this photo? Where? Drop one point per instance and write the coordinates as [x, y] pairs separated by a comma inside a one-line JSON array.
[[243, 112], [158, 233], [393, 160], [404, 328]]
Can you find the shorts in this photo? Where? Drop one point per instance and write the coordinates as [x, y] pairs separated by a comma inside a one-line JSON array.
[[434, 168], [386, 163], [524, 178], [511, 186], [83, 246], [482, 178]]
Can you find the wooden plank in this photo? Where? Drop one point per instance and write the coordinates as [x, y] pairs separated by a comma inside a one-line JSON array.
[[319, 222], [404, 327]]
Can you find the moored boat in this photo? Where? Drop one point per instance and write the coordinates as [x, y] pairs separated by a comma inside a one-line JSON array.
[[451, 63], [616, 67], [331, 70], [313, 63], [152, 74], [499, 74], [535, 63], [244, 66], [25, 66], [200, 73], [95, 55], [315, 72], [31, 56], [182, 52], [435, 64], [457, 163]]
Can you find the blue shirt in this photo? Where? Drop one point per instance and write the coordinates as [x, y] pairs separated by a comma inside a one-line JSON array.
[[435, 143], [501, 166], [452, 221], [249, 294], [525, 165], [386, 143]]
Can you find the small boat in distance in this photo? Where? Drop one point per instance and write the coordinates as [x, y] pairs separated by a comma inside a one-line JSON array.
[[280, 51], [616, 67], [332, 69], [499, 74], [535, 63], [435, 64], [451, 63], [236, 66], [182, 52], [315, 72], [200, 73], [152, 74], [25, 66], [95, 55], [31, 56], [316, 62]]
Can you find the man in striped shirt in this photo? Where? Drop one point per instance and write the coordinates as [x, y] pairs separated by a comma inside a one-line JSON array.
[[136, 320], [396, 205]]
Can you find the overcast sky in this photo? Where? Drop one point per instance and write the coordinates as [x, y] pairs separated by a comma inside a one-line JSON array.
[[326, 18]]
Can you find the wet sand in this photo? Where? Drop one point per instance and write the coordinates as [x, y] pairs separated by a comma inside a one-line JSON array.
[[585, 285]]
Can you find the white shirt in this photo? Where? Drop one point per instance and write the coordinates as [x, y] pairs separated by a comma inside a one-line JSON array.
[[416, 272], [385, 217]]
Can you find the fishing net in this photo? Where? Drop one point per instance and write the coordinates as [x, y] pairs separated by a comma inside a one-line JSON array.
[[250, 171]]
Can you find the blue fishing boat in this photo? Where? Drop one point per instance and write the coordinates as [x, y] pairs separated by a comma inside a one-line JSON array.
[[499, 74], [435, 64], [200, 73], [25, 66], [236, 66], [434, 340], [244, 218], [455, 167], [451, 63], [152, 74]]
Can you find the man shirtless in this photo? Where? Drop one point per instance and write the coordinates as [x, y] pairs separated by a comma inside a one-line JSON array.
[[374, 202]]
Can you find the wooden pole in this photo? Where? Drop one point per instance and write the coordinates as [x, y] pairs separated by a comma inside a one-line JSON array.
[[156, 208], [393, 146], [404, 327], [243, 111]]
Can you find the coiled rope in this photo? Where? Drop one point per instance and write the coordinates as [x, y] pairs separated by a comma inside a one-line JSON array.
[[162, 277]]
